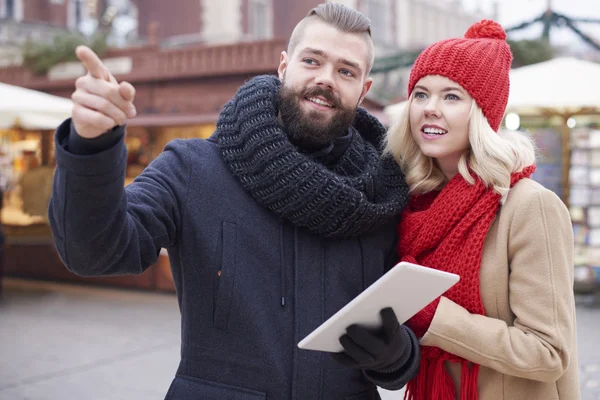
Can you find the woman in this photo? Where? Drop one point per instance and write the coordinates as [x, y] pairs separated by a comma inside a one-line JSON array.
[[507, 329]]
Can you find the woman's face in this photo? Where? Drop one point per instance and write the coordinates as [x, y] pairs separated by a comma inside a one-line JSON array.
[[439, 121]]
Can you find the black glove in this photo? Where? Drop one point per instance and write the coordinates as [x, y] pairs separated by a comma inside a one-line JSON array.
[[384, 351]]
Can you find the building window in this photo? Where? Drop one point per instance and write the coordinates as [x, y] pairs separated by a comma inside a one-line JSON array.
[[78, 17], [259, 19], [76, 13], [379, 12], [11, 9]]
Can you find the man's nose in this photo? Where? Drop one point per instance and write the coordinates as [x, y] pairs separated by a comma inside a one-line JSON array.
[[325, 78]]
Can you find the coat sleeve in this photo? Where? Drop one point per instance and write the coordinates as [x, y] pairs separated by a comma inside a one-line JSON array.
[[99, 227], [539, 343]]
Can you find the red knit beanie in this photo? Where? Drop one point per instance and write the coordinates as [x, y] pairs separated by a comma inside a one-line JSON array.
[[479, 62]]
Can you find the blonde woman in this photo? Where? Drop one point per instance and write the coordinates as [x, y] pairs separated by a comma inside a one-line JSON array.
[[507, 329]]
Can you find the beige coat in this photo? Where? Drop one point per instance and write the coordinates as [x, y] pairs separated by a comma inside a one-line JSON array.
[[526, 343]]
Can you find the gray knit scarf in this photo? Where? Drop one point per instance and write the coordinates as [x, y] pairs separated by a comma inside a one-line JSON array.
[[356, 195]]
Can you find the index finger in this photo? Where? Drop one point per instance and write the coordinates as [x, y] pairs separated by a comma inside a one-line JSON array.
[[91, 62], [390, 321]]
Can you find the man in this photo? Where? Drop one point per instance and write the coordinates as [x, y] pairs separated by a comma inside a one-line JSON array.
[[272, 225]]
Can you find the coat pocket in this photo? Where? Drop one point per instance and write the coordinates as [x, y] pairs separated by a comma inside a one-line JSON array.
[[225, 276], [189, 388], [371, 394]]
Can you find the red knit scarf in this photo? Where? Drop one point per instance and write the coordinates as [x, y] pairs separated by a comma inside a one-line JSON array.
[[446, 230]]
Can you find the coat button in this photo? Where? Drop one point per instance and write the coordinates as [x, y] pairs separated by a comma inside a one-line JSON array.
[[219, 273]]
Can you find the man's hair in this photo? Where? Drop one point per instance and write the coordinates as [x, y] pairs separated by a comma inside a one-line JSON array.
[[343, 18]]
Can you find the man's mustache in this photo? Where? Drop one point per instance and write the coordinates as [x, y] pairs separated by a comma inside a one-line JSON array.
[[320, 92]]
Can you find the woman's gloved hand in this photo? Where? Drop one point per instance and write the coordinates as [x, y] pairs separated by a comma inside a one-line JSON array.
[[383, 351]]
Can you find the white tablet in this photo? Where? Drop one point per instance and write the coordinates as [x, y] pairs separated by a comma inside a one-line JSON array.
[[407, 288]]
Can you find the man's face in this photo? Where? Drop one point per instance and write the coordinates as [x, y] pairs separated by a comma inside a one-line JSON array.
[[324, 80]]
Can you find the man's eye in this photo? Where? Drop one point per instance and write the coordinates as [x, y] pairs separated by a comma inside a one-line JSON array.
[[347, 72], [309, 61]]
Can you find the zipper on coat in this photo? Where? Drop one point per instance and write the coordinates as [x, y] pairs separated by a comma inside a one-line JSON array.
[[283, 263]]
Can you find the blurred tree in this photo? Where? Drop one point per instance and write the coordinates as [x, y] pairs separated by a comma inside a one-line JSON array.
[[527, 52], [40, 57]]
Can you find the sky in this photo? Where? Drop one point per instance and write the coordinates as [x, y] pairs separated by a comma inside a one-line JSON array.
[[513, 12]]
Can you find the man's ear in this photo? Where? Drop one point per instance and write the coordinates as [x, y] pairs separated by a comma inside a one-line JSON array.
[[283, 62], [365, 89]]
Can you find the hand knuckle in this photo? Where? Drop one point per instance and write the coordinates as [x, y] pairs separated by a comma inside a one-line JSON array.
[[76, 113], [114, 91], [81, 81], [76, 97], [104, 106], [98, 120]]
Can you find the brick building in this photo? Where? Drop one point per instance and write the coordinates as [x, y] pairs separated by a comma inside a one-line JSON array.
[[182, 81], [186, 58]]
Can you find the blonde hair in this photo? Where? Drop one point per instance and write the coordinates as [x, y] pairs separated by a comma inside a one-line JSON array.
[[492, 156], [342, 18]]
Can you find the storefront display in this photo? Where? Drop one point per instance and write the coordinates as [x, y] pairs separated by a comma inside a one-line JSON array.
[[549, 163], [584, 202], [25, 182], [27, 170]]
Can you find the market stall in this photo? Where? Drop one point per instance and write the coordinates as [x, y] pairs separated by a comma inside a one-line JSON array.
[[27, 122], [27, 118]]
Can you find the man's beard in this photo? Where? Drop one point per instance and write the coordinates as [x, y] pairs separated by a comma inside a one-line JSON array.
[[312, 129]]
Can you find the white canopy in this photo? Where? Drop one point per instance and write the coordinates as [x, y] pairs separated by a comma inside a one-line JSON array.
[[30, 109], [561, 86], [558, 86]]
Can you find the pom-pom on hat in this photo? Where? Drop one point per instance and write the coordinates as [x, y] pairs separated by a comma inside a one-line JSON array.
[[479, 62]]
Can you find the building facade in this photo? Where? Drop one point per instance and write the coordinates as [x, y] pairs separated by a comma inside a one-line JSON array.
[[396, 24], [185, 62]]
